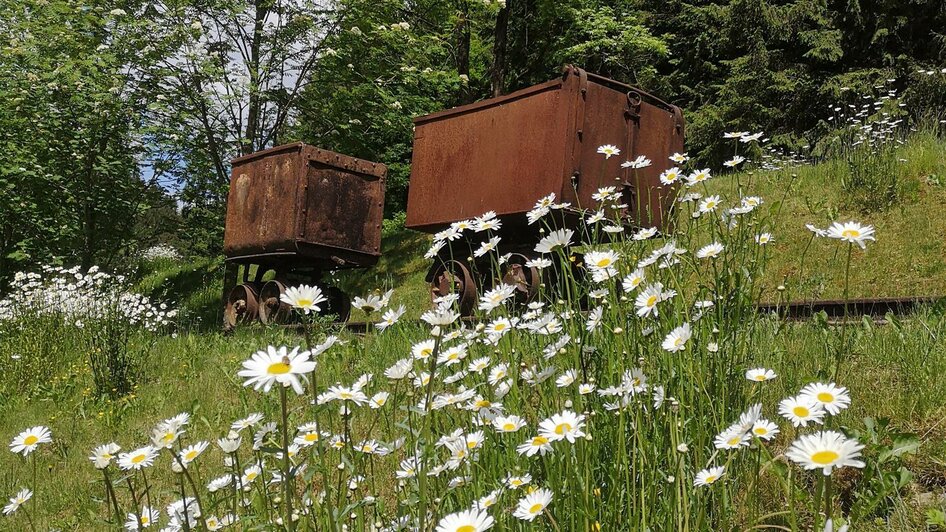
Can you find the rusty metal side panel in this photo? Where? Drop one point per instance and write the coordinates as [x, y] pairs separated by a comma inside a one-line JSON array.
[[658, 139], [261, 215], [343, 210], [605, 122], [499, 157]]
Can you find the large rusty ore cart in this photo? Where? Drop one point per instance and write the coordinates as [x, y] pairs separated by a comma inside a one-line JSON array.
[[300, 212], [504, 153]]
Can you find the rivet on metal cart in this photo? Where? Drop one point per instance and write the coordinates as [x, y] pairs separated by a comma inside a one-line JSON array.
[[300, 212]]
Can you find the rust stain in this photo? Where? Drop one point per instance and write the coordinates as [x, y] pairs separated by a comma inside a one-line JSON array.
[[297, 206], [503, 153]]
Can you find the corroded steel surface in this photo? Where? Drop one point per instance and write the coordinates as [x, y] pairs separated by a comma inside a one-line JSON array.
[[296, 205], [502, 154]]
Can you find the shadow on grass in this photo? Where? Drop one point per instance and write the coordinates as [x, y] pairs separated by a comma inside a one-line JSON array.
[[194, 288]]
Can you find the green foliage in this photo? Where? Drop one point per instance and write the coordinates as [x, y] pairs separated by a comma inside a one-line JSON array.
[[886, 473]]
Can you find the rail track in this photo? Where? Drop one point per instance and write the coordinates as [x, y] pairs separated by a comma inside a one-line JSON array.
[[838, 308], [874, 308]]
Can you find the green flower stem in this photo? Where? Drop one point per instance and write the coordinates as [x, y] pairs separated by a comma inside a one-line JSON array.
[[286, 480]]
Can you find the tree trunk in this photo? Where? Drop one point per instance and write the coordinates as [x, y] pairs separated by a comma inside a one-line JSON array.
[[497, 75], [248, 145], [462, 33]]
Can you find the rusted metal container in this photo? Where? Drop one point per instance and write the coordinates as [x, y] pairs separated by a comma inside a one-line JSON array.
[[298, 211], [503, 153], [297, 204]]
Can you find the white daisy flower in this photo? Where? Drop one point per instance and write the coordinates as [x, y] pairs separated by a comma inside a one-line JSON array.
[[801, 411], [472, 520], [764, 429], [851, 232], [137, 459], [609, 150], [709, 476], [535, 445], [760, 374], [555, 240], [565, 425], [710, 251], [533, 504], [508, 423], [27, 441], [103, 455], [277, 365], [670, 176], [709, 204], [832, 397], [17, 500], [303, 297], [677, 339], [825, 450]]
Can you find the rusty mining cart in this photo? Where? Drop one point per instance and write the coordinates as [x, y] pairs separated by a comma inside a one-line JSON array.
[[504, 153], [300, 212]]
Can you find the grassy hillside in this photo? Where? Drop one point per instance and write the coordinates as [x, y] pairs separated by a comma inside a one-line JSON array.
[[907, 260]]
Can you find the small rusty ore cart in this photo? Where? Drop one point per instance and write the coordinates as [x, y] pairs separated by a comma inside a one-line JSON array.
[[502, 154], [300, 212]]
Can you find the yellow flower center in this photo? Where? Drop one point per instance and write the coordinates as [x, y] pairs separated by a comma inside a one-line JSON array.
[[710, 204], [452, 356], [345, 395], [710, 479], [251, 476], [509, 426], [380, 401], [366, 449], [761, 431], [467, 528], [483, 403], [303, 302], [278, 368], [760, 377], [471, 444], [312, 436], [651, 301], [734, 440], [677, 342], [168, 437], [137, 459], [824, 457], [851, 233], [603, 263], [539, 440], [426, 352], [562, 428], [499, 326], [191, 455], [825, 397], [535, 508], [800, 411], [516, 482], [30, 440]]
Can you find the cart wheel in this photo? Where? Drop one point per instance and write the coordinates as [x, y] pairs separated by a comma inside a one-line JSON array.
[[338, 303], [242, 305], [271, 308], [526, 279], [455, 278]]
